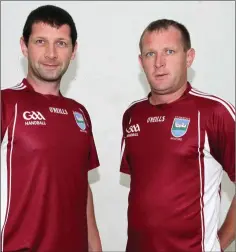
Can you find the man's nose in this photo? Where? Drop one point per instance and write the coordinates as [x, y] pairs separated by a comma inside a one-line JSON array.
[[159, 61], [50, 51]]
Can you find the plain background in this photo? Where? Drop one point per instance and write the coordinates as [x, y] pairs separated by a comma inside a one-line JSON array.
[[106, 78]]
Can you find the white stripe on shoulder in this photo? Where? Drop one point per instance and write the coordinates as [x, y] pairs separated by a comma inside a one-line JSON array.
[[18, 88], [19, 85], [227, 105], [144, 99], [199, 92], [207, 94], [231, 105]]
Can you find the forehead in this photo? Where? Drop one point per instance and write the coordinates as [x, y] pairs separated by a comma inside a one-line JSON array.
[[46, 30], [162, 38]]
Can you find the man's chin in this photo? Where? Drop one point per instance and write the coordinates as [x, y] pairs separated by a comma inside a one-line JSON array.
[[50, 78], [160, 87], [161, 90]]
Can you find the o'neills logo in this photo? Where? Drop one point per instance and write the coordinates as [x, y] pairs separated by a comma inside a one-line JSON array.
[[58, 111], [156, 119], [34, 118]]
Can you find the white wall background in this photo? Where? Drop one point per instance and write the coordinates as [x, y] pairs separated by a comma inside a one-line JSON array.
[[106, 78]]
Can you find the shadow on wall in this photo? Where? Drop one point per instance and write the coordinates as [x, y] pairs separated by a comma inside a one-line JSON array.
[[68, 77], [143, 81], [191, 74], [125, 180], [24, 65], [93, 176]]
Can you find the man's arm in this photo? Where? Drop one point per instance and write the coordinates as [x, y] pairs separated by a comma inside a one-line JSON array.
[[227, 231], [94, 241]]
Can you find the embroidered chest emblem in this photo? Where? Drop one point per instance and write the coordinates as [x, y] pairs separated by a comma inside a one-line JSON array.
[[79, 120], [180, 126]]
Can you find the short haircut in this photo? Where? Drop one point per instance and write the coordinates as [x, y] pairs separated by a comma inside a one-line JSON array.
[[51, 15], [164, 24]]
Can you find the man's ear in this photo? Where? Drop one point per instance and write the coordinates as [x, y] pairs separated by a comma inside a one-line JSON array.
[[74, 51], [24, 47], [190, 57], [140, 60]]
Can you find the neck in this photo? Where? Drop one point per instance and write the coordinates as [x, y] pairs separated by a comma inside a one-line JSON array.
[[157, 98], [44, 87]]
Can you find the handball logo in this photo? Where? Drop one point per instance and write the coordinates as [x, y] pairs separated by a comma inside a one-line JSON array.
[[27, 115], [34, 118]]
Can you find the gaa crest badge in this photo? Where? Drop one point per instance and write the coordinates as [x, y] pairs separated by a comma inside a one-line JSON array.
[[180, 126], [79, 120]]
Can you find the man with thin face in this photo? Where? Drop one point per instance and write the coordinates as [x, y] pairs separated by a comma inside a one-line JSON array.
[[176, 143], [47, 147]]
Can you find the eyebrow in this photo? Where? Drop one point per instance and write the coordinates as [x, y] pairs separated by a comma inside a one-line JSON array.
[[149, 50], [165, 48], [62, 39], [170, 48], [41, 37]]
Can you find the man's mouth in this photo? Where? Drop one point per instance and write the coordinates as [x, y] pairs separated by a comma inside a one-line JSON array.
[[160, 75], [49, 65]]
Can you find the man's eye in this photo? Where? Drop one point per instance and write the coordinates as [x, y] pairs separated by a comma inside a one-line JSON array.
[[39, 41], [149, 54], [169, 51], [61, 43]]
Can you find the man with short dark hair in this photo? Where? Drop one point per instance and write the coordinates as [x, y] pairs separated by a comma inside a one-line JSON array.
[[47, 147], [176, 143]]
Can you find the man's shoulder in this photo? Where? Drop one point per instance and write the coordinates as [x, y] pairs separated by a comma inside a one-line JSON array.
[[13, 91], [212, 103], [137, 104], [74, 102], [76, 105]]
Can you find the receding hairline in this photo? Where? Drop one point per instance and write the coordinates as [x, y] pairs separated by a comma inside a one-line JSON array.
[[162, 29]]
